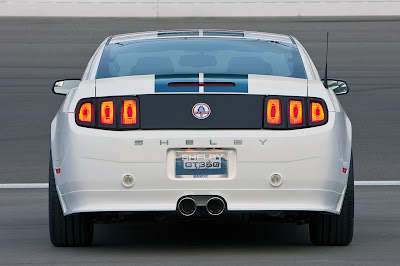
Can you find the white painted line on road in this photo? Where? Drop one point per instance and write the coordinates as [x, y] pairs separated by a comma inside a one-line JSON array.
[[357, 183], [34, 185], [377, 183]]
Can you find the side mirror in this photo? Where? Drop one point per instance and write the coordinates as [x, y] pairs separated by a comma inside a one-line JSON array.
[[63, 86], [338, 86]]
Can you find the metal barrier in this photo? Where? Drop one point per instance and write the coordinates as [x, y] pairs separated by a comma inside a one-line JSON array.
[[199, 8]]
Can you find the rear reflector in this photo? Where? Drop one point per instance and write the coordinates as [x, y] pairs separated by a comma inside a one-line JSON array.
[[86, 113], [107, 113], [295, 112], [317, 112], [129, 112], [274, 112]]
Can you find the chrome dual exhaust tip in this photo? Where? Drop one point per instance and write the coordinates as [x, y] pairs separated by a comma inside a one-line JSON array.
[[215, 206], [187, 206]]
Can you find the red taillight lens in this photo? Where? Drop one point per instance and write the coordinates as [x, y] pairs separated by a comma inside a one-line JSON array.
[[274, 112], [317, 112], [295, 112], [107, 113], [129, 112], [86, 113], [112, 113]]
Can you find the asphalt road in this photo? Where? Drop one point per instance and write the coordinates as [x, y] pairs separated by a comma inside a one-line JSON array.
[[36, 51], [24, 238]]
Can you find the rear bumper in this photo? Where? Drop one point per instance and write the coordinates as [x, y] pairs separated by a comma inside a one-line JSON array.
[[237, 200], [93, 162]]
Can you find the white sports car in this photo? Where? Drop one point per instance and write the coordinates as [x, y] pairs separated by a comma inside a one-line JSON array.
[[194, 124]]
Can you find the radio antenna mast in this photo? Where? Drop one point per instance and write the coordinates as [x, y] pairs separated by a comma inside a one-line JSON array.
[[326, 61]]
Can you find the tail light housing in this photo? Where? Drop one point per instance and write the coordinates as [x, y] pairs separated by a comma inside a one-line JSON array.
[[318, 112], [107, 113], [85, 113], [295, 112], [274, 112], [114, 113], [129, 112]]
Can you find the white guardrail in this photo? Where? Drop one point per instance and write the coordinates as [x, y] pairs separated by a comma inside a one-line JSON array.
[[199, 8]]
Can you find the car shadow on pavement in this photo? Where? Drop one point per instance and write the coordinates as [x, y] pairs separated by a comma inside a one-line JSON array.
[[195, 235]]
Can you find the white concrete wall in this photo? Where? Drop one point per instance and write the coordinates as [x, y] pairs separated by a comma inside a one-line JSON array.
[[199, 8]]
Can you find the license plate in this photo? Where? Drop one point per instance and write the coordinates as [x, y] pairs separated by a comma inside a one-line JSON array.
[[201, 164]]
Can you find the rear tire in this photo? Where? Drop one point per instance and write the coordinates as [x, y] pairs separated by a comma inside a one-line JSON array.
[[75, 230], [336, 230]]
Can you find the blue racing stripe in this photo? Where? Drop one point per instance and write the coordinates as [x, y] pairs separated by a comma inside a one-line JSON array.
[[241, 83], [163, 80]]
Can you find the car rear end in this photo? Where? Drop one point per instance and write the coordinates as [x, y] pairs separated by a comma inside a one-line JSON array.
[[226, 143], [255, 149]]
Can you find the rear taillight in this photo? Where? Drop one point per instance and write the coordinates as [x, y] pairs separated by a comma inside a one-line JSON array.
[[116, 113], [274, 112], [285, 112], [317, 112], [107, 113], [129, 112], [85, 113], [295, 112]]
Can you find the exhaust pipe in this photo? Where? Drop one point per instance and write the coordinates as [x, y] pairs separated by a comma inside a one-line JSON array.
[[187, 206], [215, 206]]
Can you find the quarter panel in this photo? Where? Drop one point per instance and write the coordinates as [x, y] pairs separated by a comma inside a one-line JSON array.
[[86, 89], [316, 89]]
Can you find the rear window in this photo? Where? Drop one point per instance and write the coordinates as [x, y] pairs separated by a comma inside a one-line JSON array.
[[201, 55]]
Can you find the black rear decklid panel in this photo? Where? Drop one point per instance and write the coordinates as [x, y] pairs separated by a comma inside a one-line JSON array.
[[174, 111]]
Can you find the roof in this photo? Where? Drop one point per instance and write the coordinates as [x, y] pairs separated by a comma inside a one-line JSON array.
[[201, 33]]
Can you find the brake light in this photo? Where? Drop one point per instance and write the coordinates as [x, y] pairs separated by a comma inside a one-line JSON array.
[[274, 112], [317, 112], [86, 113], [295, 112], [129, 112], [111, 113], [107, 113]]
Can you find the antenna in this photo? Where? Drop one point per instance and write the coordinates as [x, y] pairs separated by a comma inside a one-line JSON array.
[[326, 61]]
